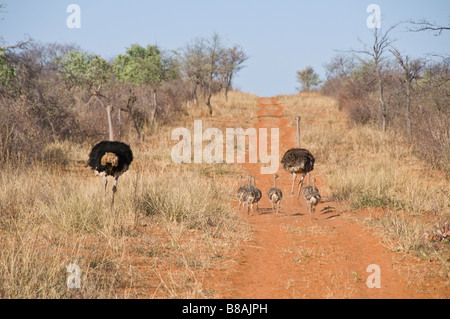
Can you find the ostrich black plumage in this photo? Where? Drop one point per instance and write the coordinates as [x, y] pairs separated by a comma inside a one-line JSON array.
[[298, 161], [110, 158]]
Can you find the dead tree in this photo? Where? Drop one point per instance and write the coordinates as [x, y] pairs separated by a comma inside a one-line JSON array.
[[230, 64], [411, 71], [381, 43], [424, 25]]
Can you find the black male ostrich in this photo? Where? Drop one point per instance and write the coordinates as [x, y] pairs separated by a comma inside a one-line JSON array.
[[110, 158], [298, 161]]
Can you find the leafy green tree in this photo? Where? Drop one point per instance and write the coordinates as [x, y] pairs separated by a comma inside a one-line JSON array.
[[146, 66], [82, 69], [307, 78], [6, 71]]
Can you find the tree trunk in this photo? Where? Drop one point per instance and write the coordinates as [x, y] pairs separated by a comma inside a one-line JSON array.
[[194, 94], [154, 99], [408, 111], [153, 111], [208, 103], [136, 127], [120, 124], [382, 103], [228, 85], [207, 99], [133, 120], [227, 89], [110, 126]]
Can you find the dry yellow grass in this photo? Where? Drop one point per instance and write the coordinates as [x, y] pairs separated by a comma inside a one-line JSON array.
[[170, 223], [239, 104]]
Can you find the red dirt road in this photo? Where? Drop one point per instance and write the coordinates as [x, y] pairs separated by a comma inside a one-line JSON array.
[[295, 255]]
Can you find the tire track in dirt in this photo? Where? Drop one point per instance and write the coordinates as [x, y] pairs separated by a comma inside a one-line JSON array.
[[294, 255]]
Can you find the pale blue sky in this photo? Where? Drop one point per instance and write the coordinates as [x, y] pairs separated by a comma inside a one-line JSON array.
[[280, 37]]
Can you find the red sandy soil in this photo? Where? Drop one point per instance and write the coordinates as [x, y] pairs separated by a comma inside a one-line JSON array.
[[324, 255]]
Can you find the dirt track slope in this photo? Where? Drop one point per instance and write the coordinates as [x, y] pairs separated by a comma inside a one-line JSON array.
[[295, 255]]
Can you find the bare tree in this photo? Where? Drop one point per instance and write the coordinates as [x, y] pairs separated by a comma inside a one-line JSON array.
[[411, 71], [231, 63], [214, 52], [340, 67], [2, 6], [381, 43], [201, 64], [192, 65], [307, 78], [206, 64], [424, 25], [129, 109]]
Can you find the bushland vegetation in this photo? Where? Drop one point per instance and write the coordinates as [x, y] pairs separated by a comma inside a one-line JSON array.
[[383, 86], [169, 225], [57, 92]]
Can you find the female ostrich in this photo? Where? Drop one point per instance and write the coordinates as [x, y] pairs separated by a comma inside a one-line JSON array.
[[275, 195], [298, 161], [257, 192], [240, 191], [249, 195], [312, 196], [110, 158]]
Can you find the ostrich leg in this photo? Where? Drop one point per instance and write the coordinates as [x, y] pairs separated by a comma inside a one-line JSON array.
[[294, 177], [300, 185], [105, 182], [114, 190]]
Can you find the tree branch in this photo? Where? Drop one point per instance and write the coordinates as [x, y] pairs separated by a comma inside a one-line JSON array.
[[424, 25]]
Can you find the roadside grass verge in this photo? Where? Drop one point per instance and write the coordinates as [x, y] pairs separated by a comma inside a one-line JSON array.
[[366, 169]]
